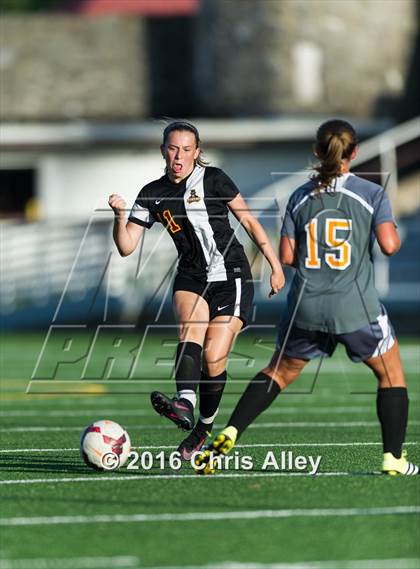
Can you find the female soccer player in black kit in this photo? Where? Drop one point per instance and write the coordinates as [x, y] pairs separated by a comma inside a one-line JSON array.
[[329, 229], [213, 290]]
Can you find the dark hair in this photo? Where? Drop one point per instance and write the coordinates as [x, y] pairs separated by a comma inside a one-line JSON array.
[[185, 126], [335, 141]]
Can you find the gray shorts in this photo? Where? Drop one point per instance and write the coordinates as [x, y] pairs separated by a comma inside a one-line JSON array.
[[372, 340]]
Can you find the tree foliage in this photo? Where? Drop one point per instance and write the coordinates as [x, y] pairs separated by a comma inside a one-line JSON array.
[[29, 5]]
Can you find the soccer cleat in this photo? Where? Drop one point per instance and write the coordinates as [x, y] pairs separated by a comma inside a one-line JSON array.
[[179, 411], [192, 443], [395, 466], [222, 444]]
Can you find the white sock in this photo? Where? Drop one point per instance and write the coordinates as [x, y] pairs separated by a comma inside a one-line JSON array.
[[188, 394], [209, 420]]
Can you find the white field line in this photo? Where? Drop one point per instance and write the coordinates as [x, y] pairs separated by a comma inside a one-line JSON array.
[[411, 363], [120, 562], [410, 358], [407, 563], [128, 561], [280, 424], [253, 445], [280, 410], [410, 352], [405, 348], [151, 379], [211, 516], [323, 395], [105, 478]]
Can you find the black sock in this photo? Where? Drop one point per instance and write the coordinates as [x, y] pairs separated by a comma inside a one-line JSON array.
[[392, 409], [202, 428], [257, 397], [211, 391], [188, 368]]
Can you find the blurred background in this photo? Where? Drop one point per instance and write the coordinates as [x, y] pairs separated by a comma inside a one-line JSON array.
[[87, 87]]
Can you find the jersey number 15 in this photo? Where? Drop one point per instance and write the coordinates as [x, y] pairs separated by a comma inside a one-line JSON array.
[[338, 254]]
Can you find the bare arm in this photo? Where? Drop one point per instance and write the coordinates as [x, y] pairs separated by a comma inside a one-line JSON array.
[[287, 251], [388, 238], [126, 234], [256, 232]]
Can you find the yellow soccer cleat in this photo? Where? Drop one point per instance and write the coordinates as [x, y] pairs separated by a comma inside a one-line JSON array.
[[206, 461], [396, 466]]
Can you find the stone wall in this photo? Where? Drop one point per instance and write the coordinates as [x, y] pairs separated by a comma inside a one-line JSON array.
[[236, 58], [66, 67], [293, 56]]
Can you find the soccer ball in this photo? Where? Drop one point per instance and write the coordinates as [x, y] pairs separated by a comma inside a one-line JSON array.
[[105, 445]]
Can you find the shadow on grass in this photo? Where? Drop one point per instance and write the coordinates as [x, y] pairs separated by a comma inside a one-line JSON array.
[[144, 501], [70, 465], [42, 464]]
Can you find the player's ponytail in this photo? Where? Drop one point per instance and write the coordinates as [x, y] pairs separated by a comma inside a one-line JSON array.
[[335, 142]]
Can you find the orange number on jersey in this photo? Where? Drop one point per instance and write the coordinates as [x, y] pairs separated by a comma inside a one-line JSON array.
[[340, 259], [312, 261], [172, 224]]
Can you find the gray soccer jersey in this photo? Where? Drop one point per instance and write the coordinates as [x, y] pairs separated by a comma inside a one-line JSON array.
[[333, 288]]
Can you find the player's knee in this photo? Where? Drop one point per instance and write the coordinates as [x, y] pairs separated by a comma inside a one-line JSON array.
[[283, 370], [189, 333], [273, 372], [215, 361], [386, 382], [387, 369], [216, 368], [281, 365]]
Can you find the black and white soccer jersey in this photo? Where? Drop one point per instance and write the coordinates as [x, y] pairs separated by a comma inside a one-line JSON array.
[[195, 214]]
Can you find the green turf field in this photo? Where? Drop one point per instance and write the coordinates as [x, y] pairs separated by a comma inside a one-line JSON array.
[[56, 513]]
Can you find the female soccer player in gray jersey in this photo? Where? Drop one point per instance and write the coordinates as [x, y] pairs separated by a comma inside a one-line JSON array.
[[213, 289], [329, 229]]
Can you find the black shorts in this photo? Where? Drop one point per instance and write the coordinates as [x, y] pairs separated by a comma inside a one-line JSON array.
[[233, 297], [370, 341]]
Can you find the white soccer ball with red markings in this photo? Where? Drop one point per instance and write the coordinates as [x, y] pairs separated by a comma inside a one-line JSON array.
[[105, 445]]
